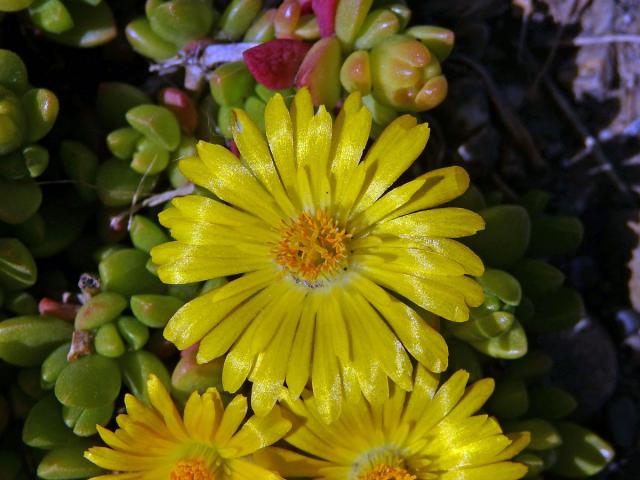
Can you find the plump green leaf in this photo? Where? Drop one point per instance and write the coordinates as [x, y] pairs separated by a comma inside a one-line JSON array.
[[17, 267], [136, 368], [90, 381], [125, 272], [44, 427], [582, 453], [68, 463], [26, 341]]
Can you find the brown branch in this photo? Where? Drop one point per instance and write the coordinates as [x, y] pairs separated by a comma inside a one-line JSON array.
[[590, 142], [519, 133], [152, 201], [583, 41]]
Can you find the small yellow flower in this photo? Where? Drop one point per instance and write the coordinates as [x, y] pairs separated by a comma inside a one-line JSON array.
[[428, 434], [156, 443], [330, 259]]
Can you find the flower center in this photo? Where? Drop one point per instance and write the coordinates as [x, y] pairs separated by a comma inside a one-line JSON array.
[[387, 472], [191, 469], [312, 246]]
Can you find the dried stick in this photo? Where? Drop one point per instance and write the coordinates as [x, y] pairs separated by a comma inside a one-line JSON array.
[[152, 201], [583, 41], [591, 143], [519, 133]]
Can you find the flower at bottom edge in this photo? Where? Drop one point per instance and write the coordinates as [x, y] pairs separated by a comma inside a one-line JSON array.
[[428, 434], [332, 261], [207, 442]]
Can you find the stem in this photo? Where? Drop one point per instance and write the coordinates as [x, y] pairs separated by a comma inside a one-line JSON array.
[[602, 39], [510, 120], [225, 52], [153, 201]]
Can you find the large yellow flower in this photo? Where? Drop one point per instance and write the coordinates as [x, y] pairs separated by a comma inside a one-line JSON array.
[[428, 434], [330, 259], [155, 443]]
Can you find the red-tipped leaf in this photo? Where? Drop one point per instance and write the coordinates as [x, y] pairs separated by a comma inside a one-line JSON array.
[[274, 64], [325, 11]]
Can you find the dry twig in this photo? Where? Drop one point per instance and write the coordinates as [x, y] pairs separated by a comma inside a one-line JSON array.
[[519, 133], [585, 40], [591, 143]]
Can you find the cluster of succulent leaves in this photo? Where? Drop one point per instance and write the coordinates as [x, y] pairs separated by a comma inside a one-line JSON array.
[[78, 23], [371, 43], [525, 400], [75, 369], [524, 291], [75, 356]]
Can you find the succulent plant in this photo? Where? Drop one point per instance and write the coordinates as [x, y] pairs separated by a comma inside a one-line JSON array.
[[78, 23], [332, 48]]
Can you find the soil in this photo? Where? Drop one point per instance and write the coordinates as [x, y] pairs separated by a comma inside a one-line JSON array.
[[547, 95]]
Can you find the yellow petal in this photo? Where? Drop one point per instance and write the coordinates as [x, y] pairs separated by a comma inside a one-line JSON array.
[[234, 183], [429, 190], [304, 188], [111, 439], [388, 349], [287, 304], [471, 453], [208, 210], [403, 141], [195, 319], [427, 294], [440, 222], [181, 263], [419, 338], [311, 434], [201, 233], [119, 476], [255, 153], [458, 252], [299, 366], [519, 441], [372, 379], [232, 418], [442, 403], [325, 374], [256, 433], [444, 247], [503, 471], [331, 314], [113, 460], [162, 402], [288, 463], [141, 413], [223, 335], [301, 114], [269, 372], [241, 357], [468, 287], [474, 398], [195, 170], [420, 263], [279, 132], [351, 137], [209, 419], [193, 414], [320, 130], [245, 470]]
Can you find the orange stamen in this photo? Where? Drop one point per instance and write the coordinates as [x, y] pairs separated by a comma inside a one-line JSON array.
[[311, 246], [192, 469], [387, 472]]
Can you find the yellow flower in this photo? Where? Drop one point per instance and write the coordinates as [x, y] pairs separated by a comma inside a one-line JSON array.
[[155, 443], [428, 434], [330, 259]]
